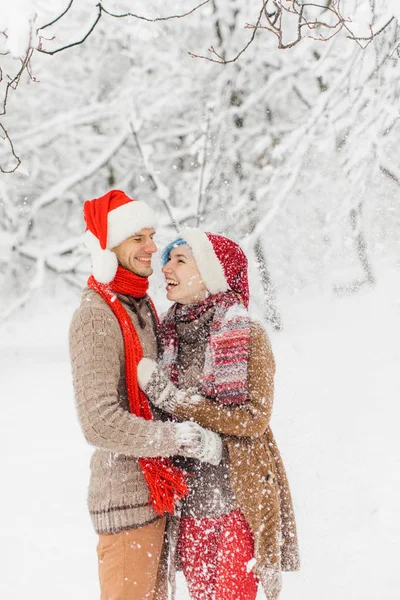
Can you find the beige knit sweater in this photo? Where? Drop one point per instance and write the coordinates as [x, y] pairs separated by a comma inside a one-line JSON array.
[[118, 494]]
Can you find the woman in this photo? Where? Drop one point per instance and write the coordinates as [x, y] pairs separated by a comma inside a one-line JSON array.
[[237, 523]]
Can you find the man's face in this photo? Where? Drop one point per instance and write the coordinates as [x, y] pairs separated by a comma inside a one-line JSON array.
[[135, 253]]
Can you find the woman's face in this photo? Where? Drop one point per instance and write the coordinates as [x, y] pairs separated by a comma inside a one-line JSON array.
[[184, 282]]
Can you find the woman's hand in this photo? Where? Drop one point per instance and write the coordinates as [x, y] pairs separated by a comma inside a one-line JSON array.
[[158, 388], [145, 370]]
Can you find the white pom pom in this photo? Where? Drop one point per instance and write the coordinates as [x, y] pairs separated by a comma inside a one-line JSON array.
[[104, 265], [104, 262]]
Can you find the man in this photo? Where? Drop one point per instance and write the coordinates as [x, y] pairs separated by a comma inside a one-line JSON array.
[[131, 487]]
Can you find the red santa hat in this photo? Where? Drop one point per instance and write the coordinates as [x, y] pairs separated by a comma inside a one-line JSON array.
[[110, 220], [221, 262]]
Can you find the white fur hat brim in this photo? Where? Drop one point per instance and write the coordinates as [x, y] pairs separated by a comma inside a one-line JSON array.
[[211, 270], [128, 219]]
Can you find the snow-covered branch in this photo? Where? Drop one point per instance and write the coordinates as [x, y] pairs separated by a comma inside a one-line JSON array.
[[21, 39], [297, 158], [292, 21], [155, 183], [56, 192]]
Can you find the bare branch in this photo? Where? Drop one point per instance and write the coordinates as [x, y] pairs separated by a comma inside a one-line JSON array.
[[57, 18], [157, 18], [102, 10], [13, 83], [373, 34], [85, 37], [305, 25], [223, 61], [12, 151]]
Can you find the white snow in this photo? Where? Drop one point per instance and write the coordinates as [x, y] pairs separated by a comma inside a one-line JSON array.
[[335, 119], [394, 8], [17, 17], [335, 419]]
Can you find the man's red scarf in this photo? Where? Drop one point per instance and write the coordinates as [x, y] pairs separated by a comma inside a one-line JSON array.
[[166, 483]]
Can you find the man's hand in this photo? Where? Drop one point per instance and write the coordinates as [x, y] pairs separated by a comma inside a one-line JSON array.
[[197, 442]]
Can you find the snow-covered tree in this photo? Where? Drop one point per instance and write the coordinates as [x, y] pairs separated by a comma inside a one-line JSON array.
[[286, 149]]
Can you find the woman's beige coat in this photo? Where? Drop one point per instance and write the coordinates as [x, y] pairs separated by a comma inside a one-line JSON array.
[[256, 470]]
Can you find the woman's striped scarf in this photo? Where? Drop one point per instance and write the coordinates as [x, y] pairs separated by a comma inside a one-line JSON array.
[[227, 351]]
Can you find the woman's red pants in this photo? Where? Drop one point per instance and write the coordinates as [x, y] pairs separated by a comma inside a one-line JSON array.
[[214, 554]]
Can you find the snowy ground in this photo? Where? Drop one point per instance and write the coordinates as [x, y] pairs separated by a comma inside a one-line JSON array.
[[336, 421]]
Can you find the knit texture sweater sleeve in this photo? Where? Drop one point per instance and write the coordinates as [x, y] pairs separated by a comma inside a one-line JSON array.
[[245, 420], [97, 357]]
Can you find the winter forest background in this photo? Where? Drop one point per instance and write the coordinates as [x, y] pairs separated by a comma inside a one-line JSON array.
[[276, 123]]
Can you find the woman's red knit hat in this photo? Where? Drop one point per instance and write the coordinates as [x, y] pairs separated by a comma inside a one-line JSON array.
[[221, 262], [110, 220]]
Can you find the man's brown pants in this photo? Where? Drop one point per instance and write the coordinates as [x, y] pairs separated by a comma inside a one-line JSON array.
[[129, 564]]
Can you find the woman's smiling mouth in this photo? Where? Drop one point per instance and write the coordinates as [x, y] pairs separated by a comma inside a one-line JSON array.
[[171, 283]]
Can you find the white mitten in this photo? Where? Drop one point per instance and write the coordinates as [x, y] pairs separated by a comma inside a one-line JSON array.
[[197, 442], [145, 369], [186, 435]]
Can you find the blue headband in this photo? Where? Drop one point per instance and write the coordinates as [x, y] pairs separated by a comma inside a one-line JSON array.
[[171, 246]]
